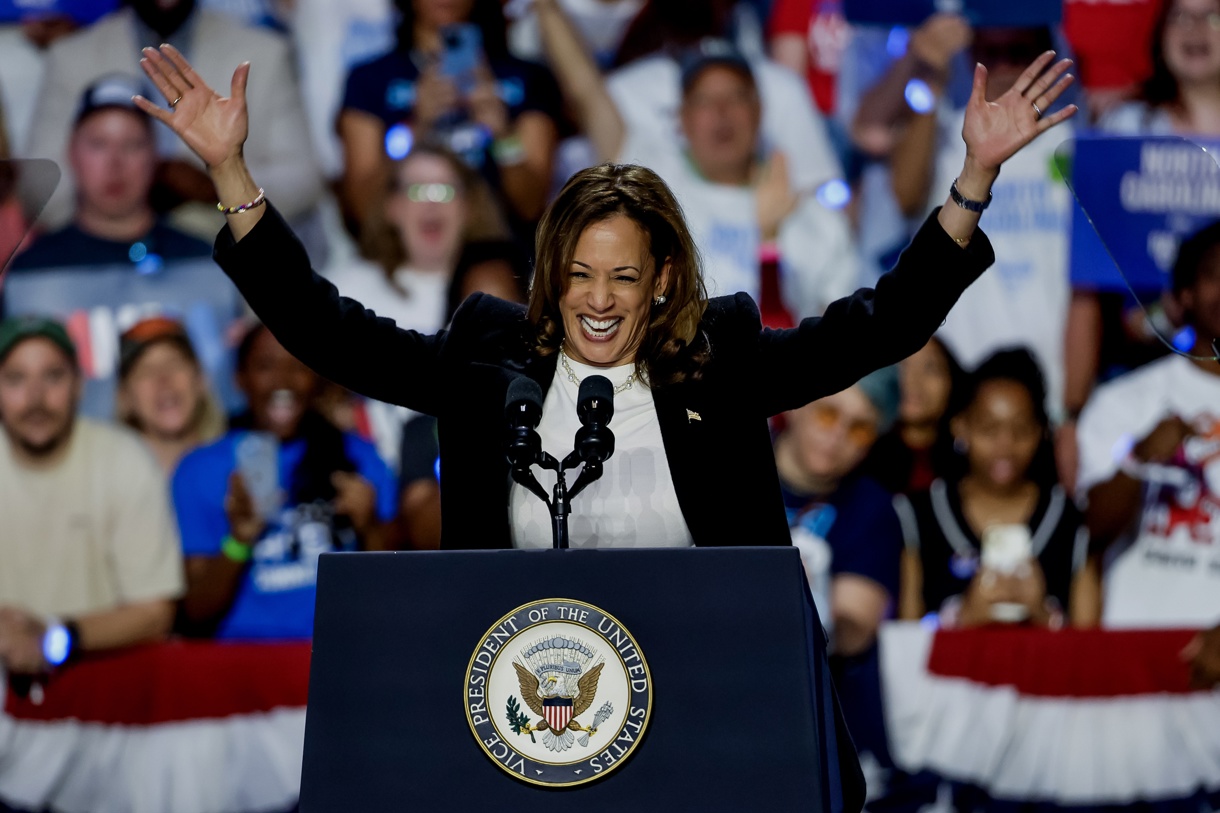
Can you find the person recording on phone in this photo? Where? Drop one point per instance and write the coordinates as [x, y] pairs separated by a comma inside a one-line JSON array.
[[617, 292], [257, 507], [1000, 542], [451, 79]]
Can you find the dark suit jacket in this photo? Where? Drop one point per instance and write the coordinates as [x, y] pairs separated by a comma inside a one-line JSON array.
[[715, 429]]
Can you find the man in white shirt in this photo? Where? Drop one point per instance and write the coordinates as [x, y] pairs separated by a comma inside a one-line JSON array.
[[1150, 465], [752, 209], [88, 540], [737, 195]]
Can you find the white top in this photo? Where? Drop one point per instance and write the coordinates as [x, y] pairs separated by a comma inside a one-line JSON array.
[[1137, 118], [1023, 297], [648, 93], [601, 26], [1166, 572], [818, 262], [417, 303], [633, 504]]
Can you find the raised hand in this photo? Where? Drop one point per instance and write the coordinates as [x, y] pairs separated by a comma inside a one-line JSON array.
[[214, 127], [774, 196], [995, 131], [940, 38], [245, 523]]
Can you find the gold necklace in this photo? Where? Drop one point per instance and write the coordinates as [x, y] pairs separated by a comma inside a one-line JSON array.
[[567, 368]]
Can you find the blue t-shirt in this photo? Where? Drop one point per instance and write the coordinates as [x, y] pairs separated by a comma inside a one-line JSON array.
[[276, 596], [859, 525], [385, 88]]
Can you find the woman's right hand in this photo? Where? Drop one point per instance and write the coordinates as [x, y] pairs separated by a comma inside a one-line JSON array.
[[435, 96], [245, 524], [214, 127], [1162, 443]]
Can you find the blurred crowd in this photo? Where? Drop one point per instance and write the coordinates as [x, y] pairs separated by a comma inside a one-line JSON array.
[[166, 467]]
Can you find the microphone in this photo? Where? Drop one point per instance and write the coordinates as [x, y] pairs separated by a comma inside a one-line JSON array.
[[595, 408], [523, 411]]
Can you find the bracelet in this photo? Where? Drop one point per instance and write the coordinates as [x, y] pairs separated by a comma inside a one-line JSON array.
[[964, 202], [508, 151], [245, 207], [234, 550]]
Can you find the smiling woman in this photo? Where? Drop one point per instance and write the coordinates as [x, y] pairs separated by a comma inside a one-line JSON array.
[[618, 276], [617, 290]]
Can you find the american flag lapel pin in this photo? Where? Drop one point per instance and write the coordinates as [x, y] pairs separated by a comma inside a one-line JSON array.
[[692, 416]]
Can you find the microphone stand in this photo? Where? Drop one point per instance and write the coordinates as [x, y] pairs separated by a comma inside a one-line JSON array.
[[560, 501], [594, 443]]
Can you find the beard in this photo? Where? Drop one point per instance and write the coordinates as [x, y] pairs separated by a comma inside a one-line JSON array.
[[39, 448]]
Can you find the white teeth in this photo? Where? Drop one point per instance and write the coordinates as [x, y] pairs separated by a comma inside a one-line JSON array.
[[600, 326]]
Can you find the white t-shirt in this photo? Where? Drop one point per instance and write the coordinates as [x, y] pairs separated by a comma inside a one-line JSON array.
[[330, 37], [633, 504], [648, 93], [818, 262], [1137, 118], [601, 26], [90, 532], [417, 303], [1023, 298], [1167, 572]]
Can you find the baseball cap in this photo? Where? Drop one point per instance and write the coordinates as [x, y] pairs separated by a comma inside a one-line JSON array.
[[708, 52], [147, 332], [16, 329], [881, 388], [111, 92]]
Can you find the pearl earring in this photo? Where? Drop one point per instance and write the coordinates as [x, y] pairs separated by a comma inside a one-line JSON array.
[[660, 300]]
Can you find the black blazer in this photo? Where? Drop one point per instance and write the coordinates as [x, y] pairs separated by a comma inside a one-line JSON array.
[[715, 429]]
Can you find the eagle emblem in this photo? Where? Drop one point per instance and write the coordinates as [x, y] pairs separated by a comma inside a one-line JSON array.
[[558, 684]]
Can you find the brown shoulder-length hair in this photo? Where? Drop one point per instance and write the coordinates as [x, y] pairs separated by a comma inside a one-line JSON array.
[[673, 350], [379, 238], [1161, 88]]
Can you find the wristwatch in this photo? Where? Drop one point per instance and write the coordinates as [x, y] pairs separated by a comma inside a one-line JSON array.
[[60, 642]]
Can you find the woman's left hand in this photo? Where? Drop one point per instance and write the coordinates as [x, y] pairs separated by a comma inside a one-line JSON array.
[[356, 499], [995, 131]]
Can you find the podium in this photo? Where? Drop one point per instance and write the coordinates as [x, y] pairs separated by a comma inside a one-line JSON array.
[[743, 715]]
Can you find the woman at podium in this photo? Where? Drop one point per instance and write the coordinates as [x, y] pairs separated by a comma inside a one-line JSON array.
[[616, 291]]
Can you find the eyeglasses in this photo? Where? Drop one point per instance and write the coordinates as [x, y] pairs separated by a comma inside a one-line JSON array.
[[859, 432], [432, 192], [1192, 19]]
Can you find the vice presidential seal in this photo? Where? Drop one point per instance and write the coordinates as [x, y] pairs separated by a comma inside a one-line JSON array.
[[558, 693]]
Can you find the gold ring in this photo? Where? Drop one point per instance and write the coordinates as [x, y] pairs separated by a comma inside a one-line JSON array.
[[174, 103]]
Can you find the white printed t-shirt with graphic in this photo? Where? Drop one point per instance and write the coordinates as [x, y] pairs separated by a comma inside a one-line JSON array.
[[1166, 571]]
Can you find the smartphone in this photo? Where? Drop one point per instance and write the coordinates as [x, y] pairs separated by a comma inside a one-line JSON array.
[[461, 54], [258, 463], [1005, 549]]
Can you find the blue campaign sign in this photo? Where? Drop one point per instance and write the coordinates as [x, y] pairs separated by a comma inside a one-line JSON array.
[[1138, 198], [83, 12], [998, 13], [97, 303]]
